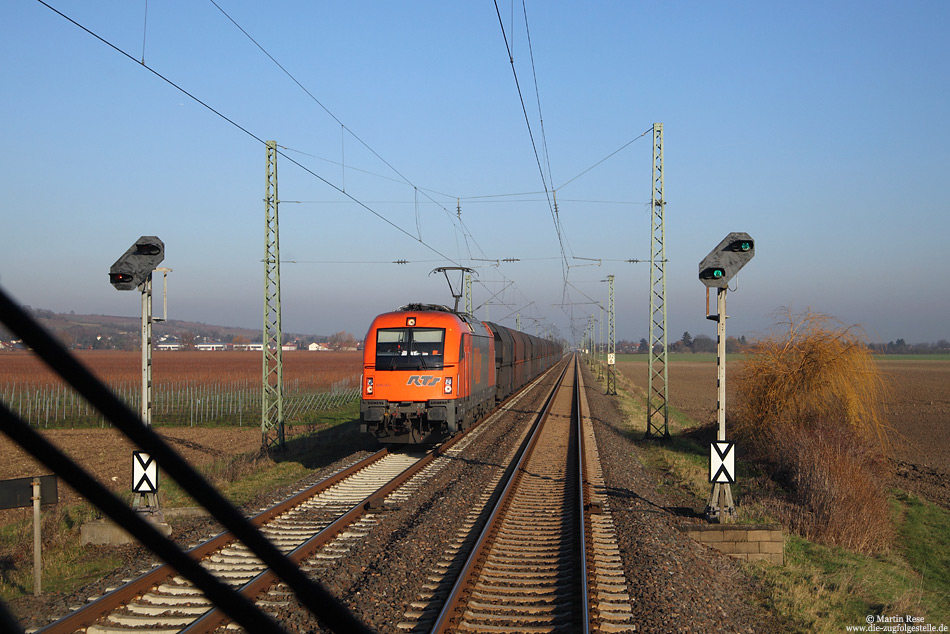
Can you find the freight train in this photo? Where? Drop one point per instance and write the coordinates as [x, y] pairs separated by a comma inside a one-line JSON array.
[[429, 371]]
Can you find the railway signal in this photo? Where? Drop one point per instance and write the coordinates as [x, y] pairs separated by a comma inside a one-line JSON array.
[[137, 263], [715, 271], [133, 270], [723, 262]]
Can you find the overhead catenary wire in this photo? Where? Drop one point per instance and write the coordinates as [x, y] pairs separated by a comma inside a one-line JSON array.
[[469, 238], [534, 146], [343, 126], [622, 147], [537, 94], [249, 133], [144, 30], [304, 88]]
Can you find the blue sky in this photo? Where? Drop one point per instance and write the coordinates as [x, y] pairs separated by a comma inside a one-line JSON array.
[[821, 129]]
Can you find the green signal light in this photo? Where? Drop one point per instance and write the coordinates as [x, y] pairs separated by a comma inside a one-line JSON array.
[[712, 273], [740, 246]]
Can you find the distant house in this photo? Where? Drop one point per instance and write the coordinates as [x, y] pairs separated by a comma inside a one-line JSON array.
[[318, 347], [259, 347]]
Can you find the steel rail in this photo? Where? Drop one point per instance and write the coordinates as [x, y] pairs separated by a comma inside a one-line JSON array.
[[106, 604], [215, 617], [453, 606], [93, 611], [583, 498], [317, 599]]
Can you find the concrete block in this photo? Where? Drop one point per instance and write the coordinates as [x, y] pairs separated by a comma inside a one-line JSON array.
[[108, 533], [759, 535], [707, 537], [764, 541], [733, 535], [746, 547], [186, 511]]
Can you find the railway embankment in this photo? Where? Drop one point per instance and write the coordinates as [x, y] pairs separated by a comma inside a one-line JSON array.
[[675, 583]]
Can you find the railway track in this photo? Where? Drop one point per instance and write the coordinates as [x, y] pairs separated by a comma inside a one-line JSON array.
[[312, 528], [160, 601], [548, 564], [545, 560]]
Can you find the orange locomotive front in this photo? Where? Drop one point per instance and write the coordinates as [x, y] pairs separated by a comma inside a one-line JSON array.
[[428, 372]]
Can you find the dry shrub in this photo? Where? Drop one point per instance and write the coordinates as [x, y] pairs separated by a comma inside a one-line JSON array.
[[836, 481], [811, 375], [808, 402]]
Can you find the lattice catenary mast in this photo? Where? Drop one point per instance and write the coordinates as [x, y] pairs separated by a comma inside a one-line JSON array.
[[272, 393], [658, 415], [611, 339]]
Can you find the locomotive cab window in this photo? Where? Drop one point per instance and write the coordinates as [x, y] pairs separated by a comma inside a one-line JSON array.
[[409, 348]]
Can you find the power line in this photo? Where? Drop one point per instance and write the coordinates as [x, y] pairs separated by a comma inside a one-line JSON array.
[[631, 203], [554, 209], [648, 131], [534, 146], [537, 93], [153, 71], [343, 126], [303, 88], [249, 133], [352, 199]]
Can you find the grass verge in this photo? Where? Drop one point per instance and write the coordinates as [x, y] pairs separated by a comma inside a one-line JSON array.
[[69, 565], [820, 589], [825, 589]]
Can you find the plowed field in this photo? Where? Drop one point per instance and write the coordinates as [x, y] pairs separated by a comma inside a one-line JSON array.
[[107, 454], [918, 409]]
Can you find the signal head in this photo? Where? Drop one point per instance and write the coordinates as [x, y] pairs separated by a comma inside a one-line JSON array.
[[134, 266], [723, 262]]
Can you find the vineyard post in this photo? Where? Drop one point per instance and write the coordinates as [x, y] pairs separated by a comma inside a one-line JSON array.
[[37, 539]]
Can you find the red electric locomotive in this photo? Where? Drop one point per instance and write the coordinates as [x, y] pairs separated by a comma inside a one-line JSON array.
[[429, 372]]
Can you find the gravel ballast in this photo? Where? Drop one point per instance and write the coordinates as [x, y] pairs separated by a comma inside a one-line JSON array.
[[676, 585]]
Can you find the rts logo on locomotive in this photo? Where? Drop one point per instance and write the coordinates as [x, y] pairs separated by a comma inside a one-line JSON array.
[[424, 380]]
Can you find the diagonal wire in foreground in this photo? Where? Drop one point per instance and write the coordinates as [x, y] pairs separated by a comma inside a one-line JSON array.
[[326, 608]]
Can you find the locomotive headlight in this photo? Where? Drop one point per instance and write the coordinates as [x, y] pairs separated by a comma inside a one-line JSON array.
[[448, 385], [369, 385]]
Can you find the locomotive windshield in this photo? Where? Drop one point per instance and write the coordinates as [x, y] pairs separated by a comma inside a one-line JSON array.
[[409, 348]]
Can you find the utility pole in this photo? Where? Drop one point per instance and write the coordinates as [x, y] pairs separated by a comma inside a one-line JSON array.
[[658, 413], [272, 392], [611, 339]]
